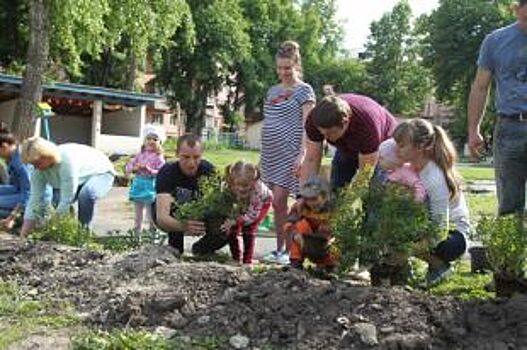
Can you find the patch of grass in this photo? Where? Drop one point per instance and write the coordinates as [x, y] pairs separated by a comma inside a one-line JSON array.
[[464, 284], [260, 268], [130, 339], [481, 205], [117, 241], [120, 339], [21, 316], [224, 157], [476, 172]]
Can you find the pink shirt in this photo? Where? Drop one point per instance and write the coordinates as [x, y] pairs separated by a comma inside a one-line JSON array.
[[406, 175], [260, 198], [152, 160]]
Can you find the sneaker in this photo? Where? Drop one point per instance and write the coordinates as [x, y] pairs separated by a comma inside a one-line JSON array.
[[433, 277], [271, 257], [282, 258]]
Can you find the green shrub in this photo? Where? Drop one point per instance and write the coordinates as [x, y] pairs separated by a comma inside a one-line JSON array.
[[116, 241], [64, 229], [397, 223], [374, 223], [347, 224], [506, 241], [214, 200]]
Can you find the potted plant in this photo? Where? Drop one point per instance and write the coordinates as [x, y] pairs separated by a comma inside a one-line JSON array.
[[506, 240], [214, 205], [479, 260]]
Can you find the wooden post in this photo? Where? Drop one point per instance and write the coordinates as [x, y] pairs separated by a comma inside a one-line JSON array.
[[96, 124]]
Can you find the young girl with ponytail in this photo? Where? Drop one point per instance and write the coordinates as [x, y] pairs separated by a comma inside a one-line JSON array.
[[430, 151]]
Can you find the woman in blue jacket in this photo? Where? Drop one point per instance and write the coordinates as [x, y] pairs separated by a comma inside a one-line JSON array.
[[15, 194]]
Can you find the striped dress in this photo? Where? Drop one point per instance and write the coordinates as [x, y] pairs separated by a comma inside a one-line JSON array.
[[282, 133]]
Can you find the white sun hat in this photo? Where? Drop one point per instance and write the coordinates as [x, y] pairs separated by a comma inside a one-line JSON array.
[[153, 129]]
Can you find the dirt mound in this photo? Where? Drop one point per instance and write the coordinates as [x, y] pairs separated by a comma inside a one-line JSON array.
[[154, 288]]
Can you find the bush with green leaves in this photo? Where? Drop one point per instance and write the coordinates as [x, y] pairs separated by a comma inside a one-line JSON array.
[[116, 241], [372, 223], [347, 223], [506, 240], [64, 229], [215, 200], [396, 222]]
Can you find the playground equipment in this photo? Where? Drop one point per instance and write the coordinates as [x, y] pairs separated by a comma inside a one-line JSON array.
[[44, 112]]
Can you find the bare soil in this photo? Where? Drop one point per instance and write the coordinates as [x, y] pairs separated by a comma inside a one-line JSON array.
[[153, 288]]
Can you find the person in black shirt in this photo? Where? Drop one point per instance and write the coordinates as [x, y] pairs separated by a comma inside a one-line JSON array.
[[178, 181]]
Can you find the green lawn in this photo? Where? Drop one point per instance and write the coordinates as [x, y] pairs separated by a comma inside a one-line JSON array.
[[476, 172], [223, 157]]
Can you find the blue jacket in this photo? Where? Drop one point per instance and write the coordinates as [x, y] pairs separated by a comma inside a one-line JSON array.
[[18, 189]]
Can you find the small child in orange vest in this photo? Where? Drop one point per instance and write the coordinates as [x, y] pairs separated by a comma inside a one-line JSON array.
[[308, 223]]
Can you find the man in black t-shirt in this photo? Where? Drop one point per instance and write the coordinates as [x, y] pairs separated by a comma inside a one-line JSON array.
[[178, 181]]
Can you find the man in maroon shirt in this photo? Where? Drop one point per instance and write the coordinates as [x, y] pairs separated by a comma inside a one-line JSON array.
[[356, 125]]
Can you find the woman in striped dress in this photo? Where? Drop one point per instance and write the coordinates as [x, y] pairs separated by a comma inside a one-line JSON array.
[[283, 139]]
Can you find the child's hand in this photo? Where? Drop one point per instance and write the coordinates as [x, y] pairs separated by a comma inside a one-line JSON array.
[[228, 224], [136, 168], [7, 223], [194, 228]]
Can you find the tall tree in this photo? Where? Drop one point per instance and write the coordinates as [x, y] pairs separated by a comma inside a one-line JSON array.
[[37, 54], [345, 74], [313, 25], [455, 32], [73, 26], [272, 21], [13, 33], [397, 77], [193, 71], [142, 28]]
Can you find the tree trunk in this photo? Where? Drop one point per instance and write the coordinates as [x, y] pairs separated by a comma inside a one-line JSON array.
[[129, 83], [37, 58]]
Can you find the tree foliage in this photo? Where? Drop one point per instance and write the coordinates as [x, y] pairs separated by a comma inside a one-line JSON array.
[[396, 76], [453, 35], [191, 71]]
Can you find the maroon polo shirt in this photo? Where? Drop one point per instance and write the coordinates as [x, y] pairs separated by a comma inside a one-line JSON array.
[[370, 124]]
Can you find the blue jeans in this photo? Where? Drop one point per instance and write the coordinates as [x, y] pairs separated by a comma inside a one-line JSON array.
[[343, 168], [95, 188], [9, 199], [510, 161]]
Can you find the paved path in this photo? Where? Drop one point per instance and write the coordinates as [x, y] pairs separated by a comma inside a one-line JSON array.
[[115, 212]]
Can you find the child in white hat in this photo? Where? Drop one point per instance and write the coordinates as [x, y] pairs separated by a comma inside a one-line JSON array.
[[145, 167]]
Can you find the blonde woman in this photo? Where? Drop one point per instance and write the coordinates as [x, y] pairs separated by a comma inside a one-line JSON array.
[[75, 172], [432, 155], [286, 108]]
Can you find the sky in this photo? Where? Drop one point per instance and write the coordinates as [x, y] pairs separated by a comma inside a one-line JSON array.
[[358, 14]]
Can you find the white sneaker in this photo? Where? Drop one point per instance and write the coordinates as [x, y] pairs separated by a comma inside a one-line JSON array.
[[276, 257], [283, 258], [271, 257]]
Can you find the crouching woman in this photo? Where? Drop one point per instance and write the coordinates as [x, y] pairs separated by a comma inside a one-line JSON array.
[[75, 172], [432, 154]]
